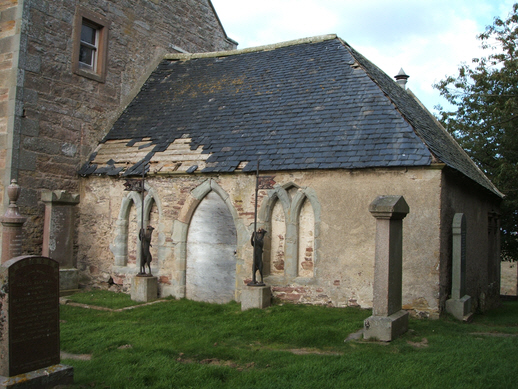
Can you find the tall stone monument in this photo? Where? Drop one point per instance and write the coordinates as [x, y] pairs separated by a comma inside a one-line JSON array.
[[459, 305], [29, 324], [388, 320], [58, 235]]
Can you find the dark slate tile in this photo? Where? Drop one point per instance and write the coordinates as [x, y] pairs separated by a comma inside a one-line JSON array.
[[286, 106]]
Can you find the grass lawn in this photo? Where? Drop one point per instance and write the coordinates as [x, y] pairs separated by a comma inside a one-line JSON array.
[[187, 344]]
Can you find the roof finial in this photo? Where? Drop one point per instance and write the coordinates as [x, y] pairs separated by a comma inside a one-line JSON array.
[[401, 78]]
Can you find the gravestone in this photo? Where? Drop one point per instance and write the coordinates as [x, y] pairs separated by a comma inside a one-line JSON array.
[[460, 303], [29, 324], [58, 235], [388, 320]]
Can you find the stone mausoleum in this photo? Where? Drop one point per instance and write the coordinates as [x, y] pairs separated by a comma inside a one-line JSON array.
[[94, 92]]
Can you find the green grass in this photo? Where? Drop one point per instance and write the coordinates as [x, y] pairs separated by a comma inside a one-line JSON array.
[[186, 344], [103, 298]]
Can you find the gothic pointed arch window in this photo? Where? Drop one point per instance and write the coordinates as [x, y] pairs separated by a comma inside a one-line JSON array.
[[306, 240], [277, 239], [126, 246]]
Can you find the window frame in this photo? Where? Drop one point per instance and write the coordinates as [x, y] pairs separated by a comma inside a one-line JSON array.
[[102, 25]]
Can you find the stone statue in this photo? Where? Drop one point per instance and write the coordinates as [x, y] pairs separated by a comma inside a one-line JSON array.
[[145, 237], [258, 256]]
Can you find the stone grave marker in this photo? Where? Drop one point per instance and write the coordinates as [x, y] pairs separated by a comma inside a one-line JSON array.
[[388, 320], [58, 235], [460, 303], [29, 324]]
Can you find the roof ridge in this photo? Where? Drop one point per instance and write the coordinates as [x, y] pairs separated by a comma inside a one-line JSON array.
[[212, 54]]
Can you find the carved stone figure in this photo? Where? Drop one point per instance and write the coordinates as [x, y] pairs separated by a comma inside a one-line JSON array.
[[145, 238], [258, 256]]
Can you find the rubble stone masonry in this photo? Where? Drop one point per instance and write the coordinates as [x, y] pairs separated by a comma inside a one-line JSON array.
[[50, 117], [336, 207]]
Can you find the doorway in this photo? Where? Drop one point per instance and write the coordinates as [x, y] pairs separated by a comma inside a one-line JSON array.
[[211, 244]]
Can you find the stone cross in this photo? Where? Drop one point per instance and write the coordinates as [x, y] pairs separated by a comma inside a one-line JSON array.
[[388, 320], [29, 330], [460, 304]]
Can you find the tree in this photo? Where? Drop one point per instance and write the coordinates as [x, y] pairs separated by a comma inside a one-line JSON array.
[[485, 122]]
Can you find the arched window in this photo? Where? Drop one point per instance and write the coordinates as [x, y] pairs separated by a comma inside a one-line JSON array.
[[292, 215], [126, 246], [133, 230], [277, 240], [306, 240]]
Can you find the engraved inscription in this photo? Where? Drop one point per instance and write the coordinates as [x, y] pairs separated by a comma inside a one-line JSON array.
[[33, 314]]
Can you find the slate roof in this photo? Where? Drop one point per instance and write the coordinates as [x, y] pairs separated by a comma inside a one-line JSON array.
[[311, 104]]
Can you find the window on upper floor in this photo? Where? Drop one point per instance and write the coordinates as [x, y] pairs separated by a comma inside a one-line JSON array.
[[90, 45]]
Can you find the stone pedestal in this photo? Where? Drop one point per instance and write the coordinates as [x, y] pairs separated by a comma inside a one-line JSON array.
[[386, 328], [58, 235], [460, 303], [144, 288], [460, 308], [388, 320], [68, 281], [12, 223], [256, 297], [46, 378]]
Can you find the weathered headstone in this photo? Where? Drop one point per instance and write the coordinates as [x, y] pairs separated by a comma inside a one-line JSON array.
[[388, 320], [460, 303], [29, 324], [12, 223], [58, 235]]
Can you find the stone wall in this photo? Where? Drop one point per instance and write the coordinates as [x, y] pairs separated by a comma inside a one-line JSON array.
[[482, 245], [60, 116], [336, 235], [509, 278], [10, 25]]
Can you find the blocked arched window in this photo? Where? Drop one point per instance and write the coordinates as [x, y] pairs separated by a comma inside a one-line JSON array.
[[277, 240], [292, 215], [126, 246], [132, 238], [306, 240]]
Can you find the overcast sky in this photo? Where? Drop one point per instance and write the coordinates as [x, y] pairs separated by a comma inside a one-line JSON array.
[[427, 38]]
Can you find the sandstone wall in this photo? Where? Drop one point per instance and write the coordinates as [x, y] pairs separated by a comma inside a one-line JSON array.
[[10, 26], [60, 116], [332, 262]]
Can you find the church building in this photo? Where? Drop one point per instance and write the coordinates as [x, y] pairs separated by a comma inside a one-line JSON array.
[[95, 93]]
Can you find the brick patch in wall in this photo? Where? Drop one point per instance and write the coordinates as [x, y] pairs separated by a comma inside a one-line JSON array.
[[164, 280], [288, 293], [119, 279]]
